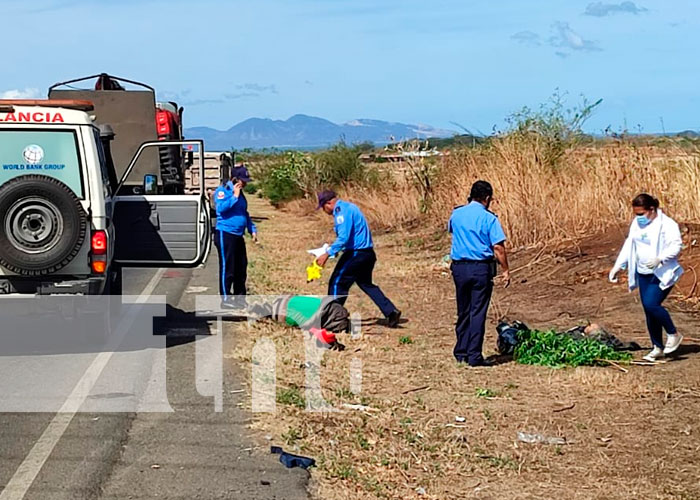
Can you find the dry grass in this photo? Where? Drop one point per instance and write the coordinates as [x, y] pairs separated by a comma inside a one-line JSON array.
[[387, 208], [590, 190]]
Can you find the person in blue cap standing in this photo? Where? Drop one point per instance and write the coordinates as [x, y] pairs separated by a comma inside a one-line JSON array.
[[478, 241], [356, 264], [232, 220]]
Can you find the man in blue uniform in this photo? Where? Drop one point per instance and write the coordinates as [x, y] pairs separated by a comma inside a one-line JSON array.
[[357, 262], [477, 239], [232, 220]]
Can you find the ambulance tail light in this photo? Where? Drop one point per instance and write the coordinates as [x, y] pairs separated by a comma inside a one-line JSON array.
[[98, 252], [99, 266], [98, 243], [163, 123]]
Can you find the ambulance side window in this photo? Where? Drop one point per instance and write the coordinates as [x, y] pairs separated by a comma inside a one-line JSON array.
[[103, 164]]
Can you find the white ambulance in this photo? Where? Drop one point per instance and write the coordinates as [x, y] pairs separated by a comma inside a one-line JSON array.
[[63, 229]]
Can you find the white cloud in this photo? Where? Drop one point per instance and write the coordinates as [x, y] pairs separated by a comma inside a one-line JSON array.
[[28, 93], [567, 38], [256, 87], [527, 37], [600, 9], [564, 38]]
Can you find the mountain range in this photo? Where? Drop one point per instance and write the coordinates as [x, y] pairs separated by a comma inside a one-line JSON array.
[[302, 131]]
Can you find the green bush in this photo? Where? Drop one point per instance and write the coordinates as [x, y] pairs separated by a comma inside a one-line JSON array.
[[279, 176], [295, 174], [553, 125], [339, 164], [557, 350]]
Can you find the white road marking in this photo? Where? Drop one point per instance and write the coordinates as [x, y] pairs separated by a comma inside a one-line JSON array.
[[26, 473]]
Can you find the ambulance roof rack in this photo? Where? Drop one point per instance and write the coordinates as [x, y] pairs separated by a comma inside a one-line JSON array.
[[100, 76], [80, 105]]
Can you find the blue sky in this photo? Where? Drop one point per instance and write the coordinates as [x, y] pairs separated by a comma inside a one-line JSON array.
[[437, 62]]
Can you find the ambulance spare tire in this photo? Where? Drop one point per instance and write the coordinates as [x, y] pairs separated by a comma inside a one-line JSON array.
[[42, 225]]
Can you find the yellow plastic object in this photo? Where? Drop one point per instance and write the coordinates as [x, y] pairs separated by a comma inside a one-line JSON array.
[[313, 272]]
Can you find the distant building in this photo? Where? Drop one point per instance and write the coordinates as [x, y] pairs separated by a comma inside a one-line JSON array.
[[399, 156]]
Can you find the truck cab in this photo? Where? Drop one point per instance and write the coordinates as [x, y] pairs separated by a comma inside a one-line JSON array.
[[66, 226]]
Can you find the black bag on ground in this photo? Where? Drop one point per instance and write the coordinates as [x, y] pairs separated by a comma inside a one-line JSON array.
[[508, 336]]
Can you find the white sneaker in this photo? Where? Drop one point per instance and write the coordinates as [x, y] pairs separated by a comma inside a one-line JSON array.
[[672, 343], [654, 355]]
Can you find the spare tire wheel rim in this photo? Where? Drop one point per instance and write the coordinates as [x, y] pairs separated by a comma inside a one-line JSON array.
[[34, 225]]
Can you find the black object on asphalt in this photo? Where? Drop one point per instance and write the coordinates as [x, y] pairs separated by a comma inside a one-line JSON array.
[[290, 460]]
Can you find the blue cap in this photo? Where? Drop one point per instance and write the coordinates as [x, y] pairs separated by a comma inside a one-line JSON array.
[[240, 172], [324, 197]]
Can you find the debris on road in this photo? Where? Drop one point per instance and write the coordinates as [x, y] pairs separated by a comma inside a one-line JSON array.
[[290, 460]]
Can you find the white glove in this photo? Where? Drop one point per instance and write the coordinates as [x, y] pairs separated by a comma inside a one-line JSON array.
[[613, 274], [652, 264], [317, 252]]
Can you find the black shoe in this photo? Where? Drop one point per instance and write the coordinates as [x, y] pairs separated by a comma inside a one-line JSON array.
[[392, 321], [483, 362]]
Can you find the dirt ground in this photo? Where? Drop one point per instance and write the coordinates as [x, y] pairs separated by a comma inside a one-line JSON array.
[[430, 428]]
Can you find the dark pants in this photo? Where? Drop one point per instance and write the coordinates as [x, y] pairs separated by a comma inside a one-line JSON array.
[[233, 263], [356, 266], [474, 284], [657, 316]]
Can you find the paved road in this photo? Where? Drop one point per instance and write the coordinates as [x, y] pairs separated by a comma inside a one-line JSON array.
[[192, 452]]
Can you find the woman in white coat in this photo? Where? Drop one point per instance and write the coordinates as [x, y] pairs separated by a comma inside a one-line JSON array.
[[650, 254]]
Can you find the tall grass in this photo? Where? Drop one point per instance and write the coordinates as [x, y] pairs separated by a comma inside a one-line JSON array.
[[589, 190]]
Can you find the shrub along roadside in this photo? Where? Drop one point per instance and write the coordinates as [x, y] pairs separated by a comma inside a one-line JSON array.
[[294, 174]]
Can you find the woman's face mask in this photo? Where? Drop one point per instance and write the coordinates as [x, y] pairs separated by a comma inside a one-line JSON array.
[[643, 217], [643, 220]]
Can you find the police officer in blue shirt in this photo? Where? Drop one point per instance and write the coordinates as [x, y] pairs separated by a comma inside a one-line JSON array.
[[232, 220], [477, 239], [357, 262]]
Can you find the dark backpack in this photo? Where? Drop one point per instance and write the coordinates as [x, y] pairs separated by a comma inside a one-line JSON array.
[[508, 336]]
